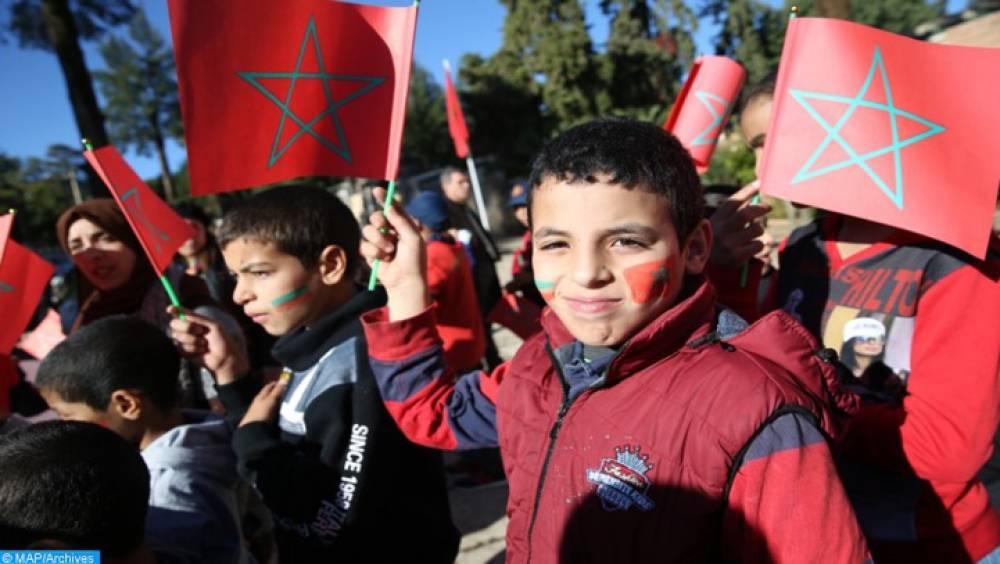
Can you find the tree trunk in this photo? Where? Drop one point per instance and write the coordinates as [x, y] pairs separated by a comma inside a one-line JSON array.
[[65, 41], [161, 153]]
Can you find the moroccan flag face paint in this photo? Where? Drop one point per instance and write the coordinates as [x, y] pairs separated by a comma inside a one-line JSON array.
[[650, 281], [291, 299], [546, 289]]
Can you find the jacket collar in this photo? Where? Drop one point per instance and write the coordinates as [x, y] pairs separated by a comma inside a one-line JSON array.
[[303, 347], [687, 320]]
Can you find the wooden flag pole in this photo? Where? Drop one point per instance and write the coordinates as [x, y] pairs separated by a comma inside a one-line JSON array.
[[167, 286]]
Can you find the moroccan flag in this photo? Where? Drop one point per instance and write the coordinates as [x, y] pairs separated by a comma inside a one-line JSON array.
[[23, 278], [6, 222], [157, 226], [274, 90], [888, 129], [456, 119], [703, 106]]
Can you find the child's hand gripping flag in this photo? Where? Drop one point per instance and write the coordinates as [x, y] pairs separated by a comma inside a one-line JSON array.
[[702, 109], [888, 129], [158, 227], [23, 278], [278, 90]]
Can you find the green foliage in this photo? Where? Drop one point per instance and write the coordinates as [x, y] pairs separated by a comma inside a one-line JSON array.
[[39, 189], [92, 18], [426, 143]]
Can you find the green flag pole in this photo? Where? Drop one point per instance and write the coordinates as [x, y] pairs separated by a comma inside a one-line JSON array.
[[389, 196], [171, 293]]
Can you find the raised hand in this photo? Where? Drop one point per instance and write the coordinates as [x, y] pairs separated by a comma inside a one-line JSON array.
[[205, 342], [737, 235]]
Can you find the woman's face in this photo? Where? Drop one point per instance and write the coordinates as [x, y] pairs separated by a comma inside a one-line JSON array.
[[868, 346], [105, 261]]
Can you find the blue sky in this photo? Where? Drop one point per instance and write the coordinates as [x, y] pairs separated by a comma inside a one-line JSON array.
[[36, 113]]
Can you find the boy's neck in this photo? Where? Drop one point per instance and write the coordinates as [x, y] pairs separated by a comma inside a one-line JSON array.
[[158, 424], [856, 235]]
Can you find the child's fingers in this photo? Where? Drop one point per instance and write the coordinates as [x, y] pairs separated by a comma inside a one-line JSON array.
[[371, 253], [402, 223], [379, 194], [384, 242]]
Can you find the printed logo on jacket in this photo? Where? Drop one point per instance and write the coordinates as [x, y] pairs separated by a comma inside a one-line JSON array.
[[622, 482]]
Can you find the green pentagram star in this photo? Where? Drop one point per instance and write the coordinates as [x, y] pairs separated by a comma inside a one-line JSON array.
[[338, 146], [833, 132], [707, 137]]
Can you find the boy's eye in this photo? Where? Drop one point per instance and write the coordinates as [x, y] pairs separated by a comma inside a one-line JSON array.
[[552, 245], [260, 273], [626, 242]]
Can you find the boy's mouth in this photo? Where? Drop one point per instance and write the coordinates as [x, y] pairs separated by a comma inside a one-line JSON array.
[[592, 306]]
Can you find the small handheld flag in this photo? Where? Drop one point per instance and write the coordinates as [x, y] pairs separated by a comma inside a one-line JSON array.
[[23, 279], [702, 109], [456, 119], [272, 91], [887, 128]]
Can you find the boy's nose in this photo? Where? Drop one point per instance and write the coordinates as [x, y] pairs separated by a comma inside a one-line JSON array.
[[589, 268], [241, 294]]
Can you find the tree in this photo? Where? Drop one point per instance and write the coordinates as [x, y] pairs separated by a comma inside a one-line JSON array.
[[140, 93], [426, 142], [58, 26], [649, 48], [38, 188]]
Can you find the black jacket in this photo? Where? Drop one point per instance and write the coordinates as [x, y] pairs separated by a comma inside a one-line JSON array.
[[341, 480]]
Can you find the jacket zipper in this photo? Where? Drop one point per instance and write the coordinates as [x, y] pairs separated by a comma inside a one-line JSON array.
[[553, 434]]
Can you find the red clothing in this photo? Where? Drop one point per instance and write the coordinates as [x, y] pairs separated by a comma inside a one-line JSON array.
[[449, 277], [677, 448], [521, 259], [912, 464]]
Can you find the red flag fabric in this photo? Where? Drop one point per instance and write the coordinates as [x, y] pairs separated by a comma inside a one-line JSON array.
[[277, 90], [702, 109], [888, 129], [6, 223], [157, 226], [456, 119], [23, 278]]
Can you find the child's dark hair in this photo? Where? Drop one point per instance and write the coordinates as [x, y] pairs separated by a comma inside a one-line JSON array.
[[113, 353], [763, 87], [634, 155], [73, 482], [300, 220]]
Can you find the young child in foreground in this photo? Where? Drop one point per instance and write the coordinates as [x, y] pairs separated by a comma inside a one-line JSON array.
[[642, 425], [342, 481], [121, 373]]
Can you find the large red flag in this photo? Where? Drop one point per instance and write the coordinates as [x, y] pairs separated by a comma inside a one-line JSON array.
[[23, 278], [888, 129], [157, 226], [456, 119], [703, 106], [278, 90]]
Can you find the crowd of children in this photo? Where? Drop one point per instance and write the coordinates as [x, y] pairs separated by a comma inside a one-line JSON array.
[[658, 411]]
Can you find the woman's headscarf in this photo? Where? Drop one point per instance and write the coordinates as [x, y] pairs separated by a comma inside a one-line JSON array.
[[127, 298]]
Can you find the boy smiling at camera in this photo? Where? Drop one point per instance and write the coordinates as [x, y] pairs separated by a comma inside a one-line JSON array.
[[644, 423], [318, 443]]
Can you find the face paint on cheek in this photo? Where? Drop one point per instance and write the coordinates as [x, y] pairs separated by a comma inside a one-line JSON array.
[[291, 299], [650, 280], [546, 289]]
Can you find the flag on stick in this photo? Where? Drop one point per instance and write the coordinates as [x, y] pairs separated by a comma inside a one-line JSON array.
[[277, 90], [702, 109], [23, 278], [456, 119], [157, 226], [886, 128]]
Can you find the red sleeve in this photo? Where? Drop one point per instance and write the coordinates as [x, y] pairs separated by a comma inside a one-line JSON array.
[[945, 427], [786, 503], [429, 403], [439, 264]]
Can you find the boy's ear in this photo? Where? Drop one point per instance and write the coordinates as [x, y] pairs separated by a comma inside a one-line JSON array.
[[698, 248], [127, 404], [332, 264]]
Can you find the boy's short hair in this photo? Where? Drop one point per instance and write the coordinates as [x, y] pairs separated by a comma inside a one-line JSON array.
[[73, 482], [300, 220], [113, 353], [763, 87], [635, 155]]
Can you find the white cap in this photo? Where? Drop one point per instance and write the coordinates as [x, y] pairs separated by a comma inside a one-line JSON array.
[[864, 327]]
